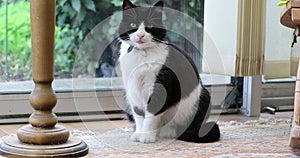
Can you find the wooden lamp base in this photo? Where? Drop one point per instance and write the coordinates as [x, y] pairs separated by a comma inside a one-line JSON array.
[[13, 148], [42, 138]]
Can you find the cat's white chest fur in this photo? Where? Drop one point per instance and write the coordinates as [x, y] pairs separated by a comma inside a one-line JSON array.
[[139, 69]]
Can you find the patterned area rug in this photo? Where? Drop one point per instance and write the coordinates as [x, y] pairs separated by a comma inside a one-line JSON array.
[[260, 138]]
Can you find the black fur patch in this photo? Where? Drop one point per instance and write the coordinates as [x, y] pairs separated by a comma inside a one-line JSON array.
[[166, 92], [206, 133], [177, 78]]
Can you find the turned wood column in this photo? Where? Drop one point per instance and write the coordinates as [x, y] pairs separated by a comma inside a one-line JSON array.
[[42, 137], [295, 132], [43, 99], [290, 17]]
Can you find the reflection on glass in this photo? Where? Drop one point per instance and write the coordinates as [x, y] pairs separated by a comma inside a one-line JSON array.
[[75, 20]]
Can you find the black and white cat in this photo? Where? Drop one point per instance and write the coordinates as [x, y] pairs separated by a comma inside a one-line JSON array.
[[164, 93]]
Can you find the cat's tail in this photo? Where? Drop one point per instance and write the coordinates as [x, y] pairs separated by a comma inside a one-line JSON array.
[[208, 133]]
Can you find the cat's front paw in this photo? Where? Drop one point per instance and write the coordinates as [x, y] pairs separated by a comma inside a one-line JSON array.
[[148, 138], [135, 137]]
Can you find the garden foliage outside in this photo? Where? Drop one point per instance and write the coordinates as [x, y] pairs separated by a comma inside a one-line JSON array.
[[75, 20]]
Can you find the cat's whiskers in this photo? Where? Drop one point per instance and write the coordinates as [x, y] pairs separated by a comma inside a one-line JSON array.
[[160, 41], [153, 19]]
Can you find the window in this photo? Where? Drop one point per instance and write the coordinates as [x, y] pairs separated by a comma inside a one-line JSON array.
[[83, 76]]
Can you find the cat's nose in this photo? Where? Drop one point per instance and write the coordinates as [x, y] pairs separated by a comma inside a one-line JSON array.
[[141, 36]]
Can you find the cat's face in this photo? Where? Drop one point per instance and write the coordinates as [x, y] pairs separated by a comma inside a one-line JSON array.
[[141, 27]]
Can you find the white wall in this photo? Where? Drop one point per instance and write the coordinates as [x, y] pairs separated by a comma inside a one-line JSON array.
[[220, 36], [278, 43]]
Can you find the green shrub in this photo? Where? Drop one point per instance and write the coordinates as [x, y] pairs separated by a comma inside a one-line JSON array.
[[65, 45], [19, 44]]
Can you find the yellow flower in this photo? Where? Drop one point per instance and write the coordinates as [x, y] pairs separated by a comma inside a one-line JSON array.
[[283, 2]]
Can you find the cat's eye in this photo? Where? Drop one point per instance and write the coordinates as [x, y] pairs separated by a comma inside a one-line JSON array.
[[133, 25]]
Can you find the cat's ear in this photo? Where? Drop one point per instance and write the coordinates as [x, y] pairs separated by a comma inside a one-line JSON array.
[[159, 4], [127, 5]]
